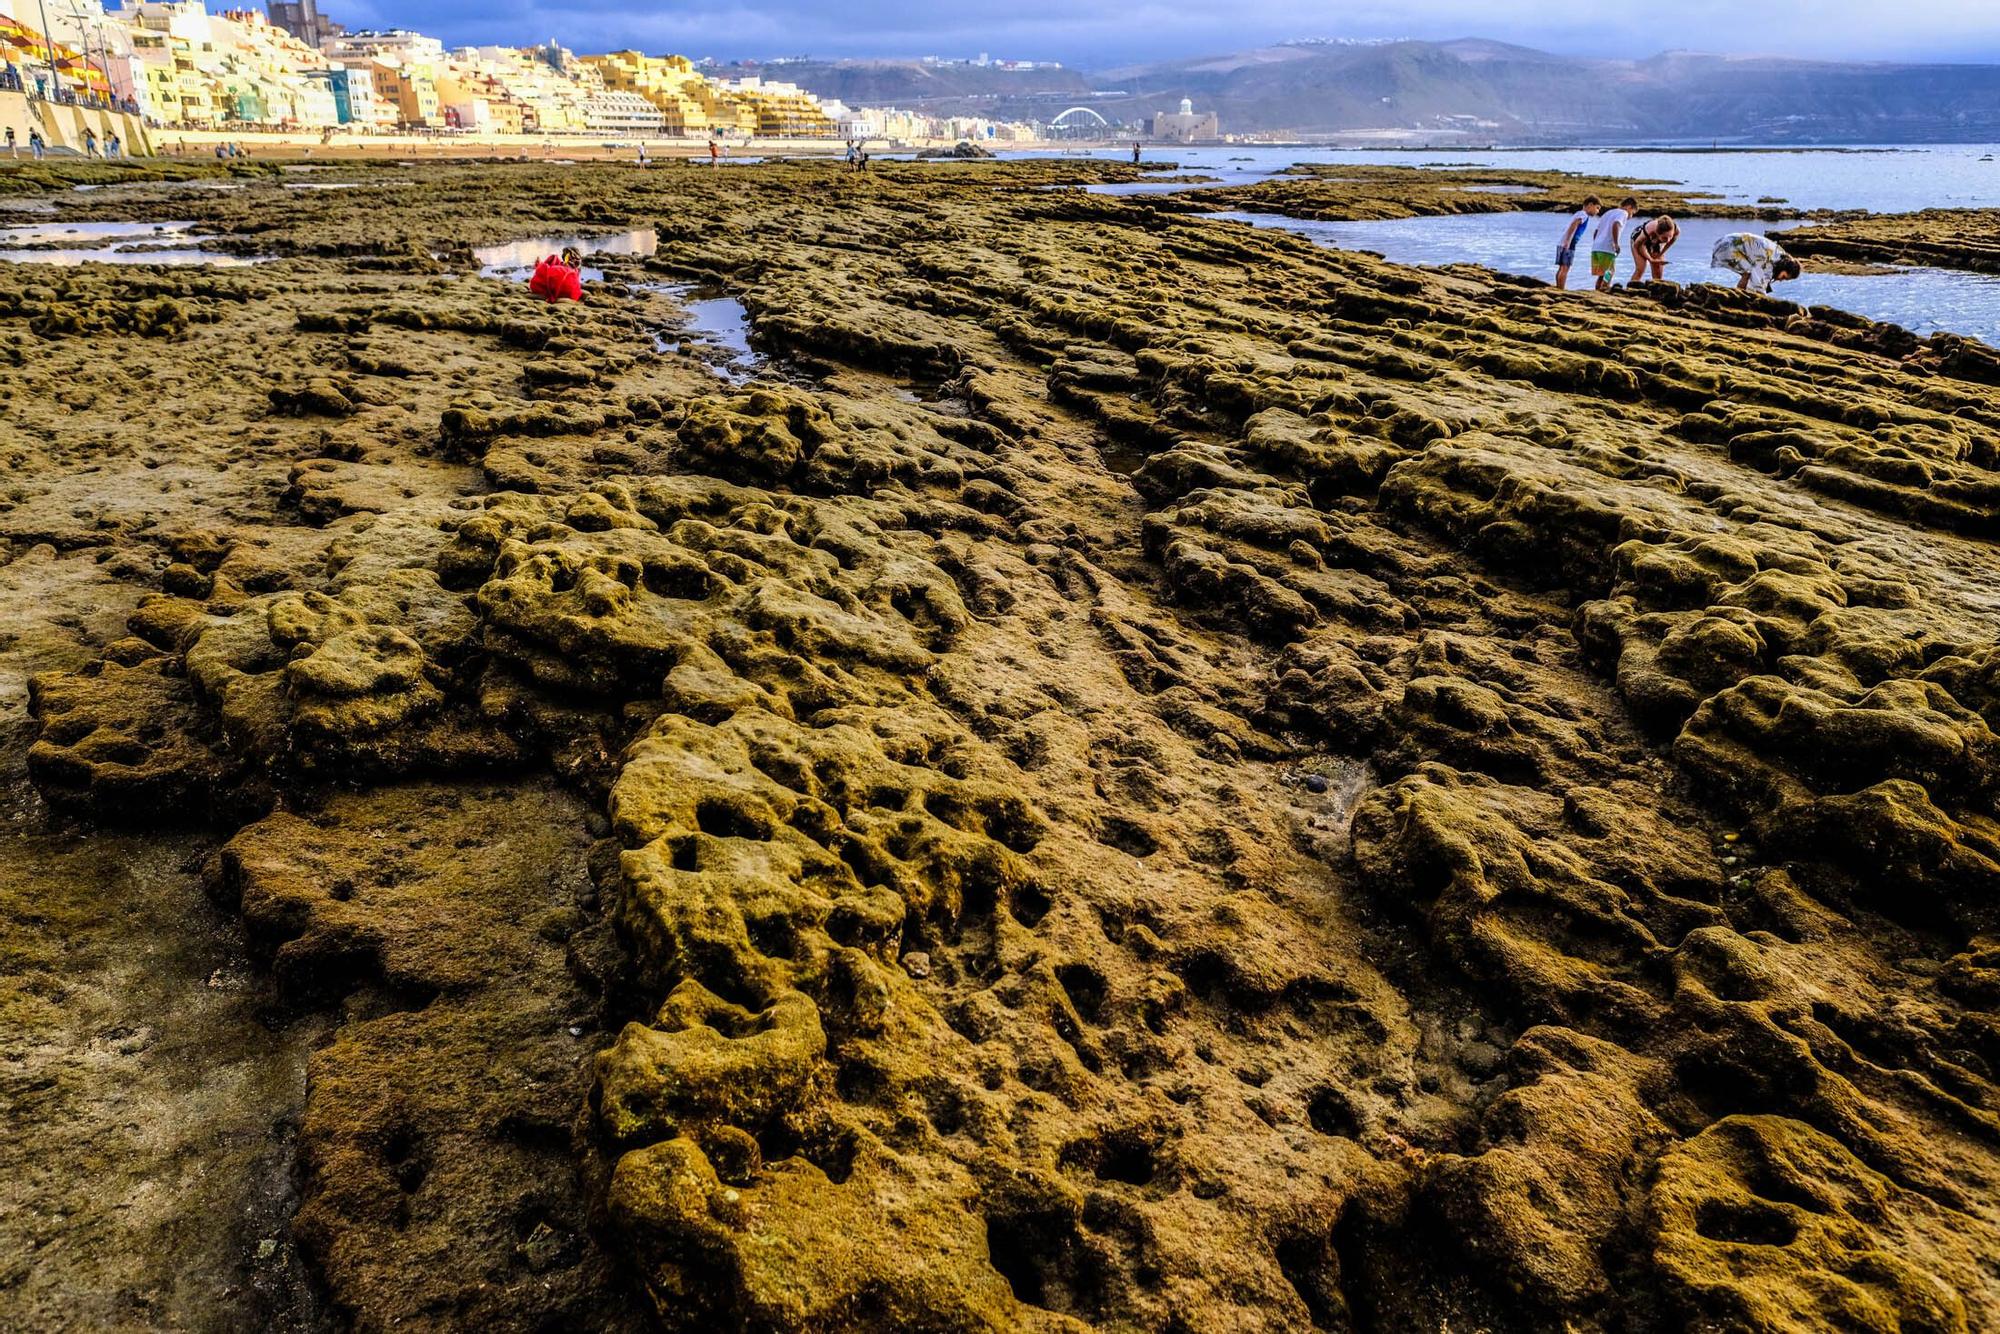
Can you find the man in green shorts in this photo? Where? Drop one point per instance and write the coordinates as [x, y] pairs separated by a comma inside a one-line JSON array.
[[1608, 239]]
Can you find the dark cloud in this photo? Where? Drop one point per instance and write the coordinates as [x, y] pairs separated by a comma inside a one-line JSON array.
[[1095, 33]]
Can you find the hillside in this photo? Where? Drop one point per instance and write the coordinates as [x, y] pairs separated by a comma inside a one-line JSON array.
[[1493, 90], [913, 83]]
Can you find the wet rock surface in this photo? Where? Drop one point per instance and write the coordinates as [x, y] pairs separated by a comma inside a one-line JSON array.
[[1158, 777], [1945, 238], [1363, 193]]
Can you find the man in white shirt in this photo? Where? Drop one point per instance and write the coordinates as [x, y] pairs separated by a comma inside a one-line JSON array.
[[1609, 238]]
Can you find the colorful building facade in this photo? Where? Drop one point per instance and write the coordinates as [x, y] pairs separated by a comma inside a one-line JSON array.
[[177, 64]]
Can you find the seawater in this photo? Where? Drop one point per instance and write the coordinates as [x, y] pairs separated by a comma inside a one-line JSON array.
[[517, 259], [1925, 301], [110, 243], [1881, 179]]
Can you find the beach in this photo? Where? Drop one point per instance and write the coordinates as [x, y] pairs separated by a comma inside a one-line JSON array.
[[953, 750]]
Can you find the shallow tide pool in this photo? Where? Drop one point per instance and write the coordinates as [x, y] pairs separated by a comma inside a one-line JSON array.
[[517, 259], [1925, 301], [70, 243]]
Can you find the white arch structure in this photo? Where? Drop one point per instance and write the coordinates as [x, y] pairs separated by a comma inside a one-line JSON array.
[[1062, 116]]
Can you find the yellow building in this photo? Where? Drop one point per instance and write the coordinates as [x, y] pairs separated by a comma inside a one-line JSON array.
[[693, 107], [778, 110], [409, 91], [201, 70], [178, 90]]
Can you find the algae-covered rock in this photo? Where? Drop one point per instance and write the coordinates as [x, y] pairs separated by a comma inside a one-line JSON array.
[[1118, 770], [1766, 1223]]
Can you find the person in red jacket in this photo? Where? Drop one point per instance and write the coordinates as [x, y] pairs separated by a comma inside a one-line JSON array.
[[559, 278]]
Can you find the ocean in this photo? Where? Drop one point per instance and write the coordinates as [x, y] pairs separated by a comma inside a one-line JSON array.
[[1880, 180]]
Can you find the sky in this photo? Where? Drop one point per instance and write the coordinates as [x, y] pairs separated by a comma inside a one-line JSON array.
[[1096, 34]]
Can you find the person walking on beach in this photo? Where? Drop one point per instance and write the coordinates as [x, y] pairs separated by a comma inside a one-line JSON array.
[[1758, 261], [1606, 241], [90, 143], [36, 146], [1135, 155], [714, 153], [642, 155], [114, 147], [1650, 243], [559, 277], [1582, 226], [13, 149]]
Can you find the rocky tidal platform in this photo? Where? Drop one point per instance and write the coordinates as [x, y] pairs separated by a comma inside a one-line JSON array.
[[1136, 773]]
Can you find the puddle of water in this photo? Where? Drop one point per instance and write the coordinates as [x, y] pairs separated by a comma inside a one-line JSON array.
[[517, 259], [1924, 301], [935, 397], [214, 259], [1119, 456], [117, 243], [43, 233], [715, 321], [1499, 189], [138, 187]]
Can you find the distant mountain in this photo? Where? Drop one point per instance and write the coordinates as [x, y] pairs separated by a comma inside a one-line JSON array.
[[1485, 90], [916, 83]]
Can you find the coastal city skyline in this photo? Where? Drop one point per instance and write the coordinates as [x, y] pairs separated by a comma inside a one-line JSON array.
[[1102, 35], [174, 64]]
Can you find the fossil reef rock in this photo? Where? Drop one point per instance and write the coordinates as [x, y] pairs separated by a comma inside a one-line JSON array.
[[1120, 770]]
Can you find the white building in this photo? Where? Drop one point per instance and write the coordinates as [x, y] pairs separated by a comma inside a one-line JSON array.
[[614, 111], [1185, 126], [396, 45]]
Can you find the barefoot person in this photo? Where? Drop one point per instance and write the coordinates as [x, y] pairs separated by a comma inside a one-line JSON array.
[[1608, 240], [1582, 224], [1650, 243], [1757, 260]]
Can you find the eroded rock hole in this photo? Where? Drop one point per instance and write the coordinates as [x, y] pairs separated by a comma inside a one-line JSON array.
[[1131, 1161], [773, 937], [830, 1150], [860, 1081], [1086, 988], [1332, 1113], [1010, 824], [727, 819], [1744, 1224], [1127, 836], [1044, 1262], [1029, 904]]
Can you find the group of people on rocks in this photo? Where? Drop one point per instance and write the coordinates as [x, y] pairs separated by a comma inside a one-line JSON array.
[[1603, 234]]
